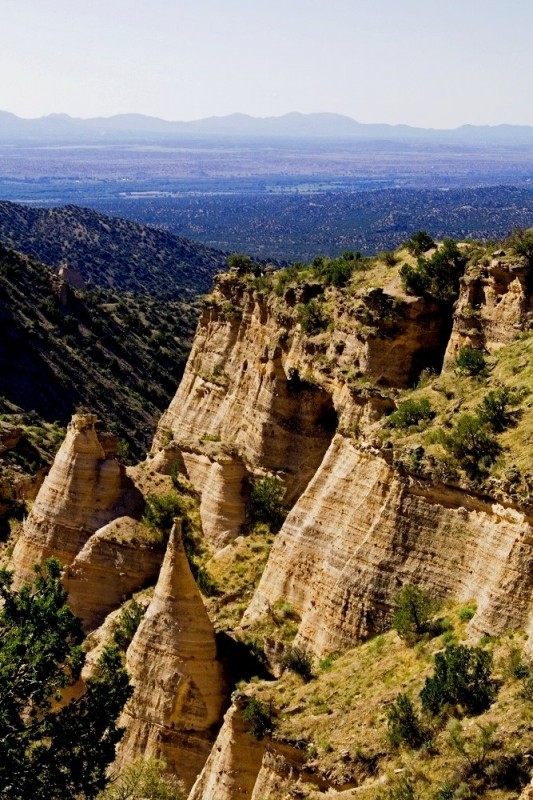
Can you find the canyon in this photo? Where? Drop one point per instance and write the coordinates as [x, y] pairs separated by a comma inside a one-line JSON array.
[[369, 507]]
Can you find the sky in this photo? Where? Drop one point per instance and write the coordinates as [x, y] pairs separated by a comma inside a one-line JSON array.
[[428, 63]]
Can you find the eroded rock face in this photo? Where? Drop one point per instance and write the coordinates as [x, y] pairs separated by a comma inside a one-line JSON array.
[[231, 770], [223, 501], [493, 307], [259, 392], [172, 659], [115, 562], [83, 491], [360, 531]]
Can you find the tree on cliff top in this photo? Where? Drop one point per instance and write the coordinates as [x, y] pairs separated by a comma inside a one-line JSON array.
[[48, 752]]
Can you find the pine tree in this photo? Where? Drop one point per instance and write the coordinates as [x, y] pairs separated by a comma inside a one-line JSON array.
[[49, 751]]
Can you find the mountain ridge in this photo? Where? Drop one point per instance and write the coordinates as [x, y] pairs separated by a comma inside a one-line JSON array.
[[293, 124]]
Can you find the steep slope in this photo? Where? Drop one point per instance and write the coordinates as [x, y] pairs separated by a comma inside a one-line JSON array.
[[379, 500], [260, 397], [109, 252], [61, 348], [370, 512]]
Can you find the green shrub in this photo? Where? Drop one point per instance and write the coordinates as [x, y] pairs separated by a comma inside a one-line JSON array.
[[494, 409], [419, 243], [205, 582], [472, 444], [241, 263], [298, 660], [471, 361], [127, 624], [462, 679], [410, 412], [414, 280], [160, 510], [144, 780], [334, 272], [388, 257], [438, 277], [527, 688], [258, 715], [466, 613], [267, 502], [446, 791], [312, 317], [414, 610], [403, 723]]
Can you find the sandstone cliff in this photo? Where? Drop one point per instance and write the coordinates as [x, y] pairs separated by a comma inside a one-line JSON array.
[[83, 491], [255, 399], [259, 396], [359, 532], [494, 305], [179, 690]]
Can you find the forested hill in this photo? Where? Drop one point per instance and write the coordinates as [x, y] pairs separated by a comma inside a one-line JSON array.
[[119, 354], [109, 252]]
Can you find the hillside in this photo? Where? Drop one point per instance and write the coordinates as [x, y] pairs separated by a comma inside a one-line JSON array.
[[111, 253], [348, 435], [61, 348]]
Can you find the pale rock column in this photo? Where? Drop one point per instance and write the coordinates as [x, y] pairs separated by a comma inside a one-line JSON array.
[[178, 684], [80, 494]]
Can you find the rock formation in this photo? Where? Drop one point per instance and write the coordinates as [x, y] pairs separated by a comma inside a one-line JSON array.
[[359, 532], [493, 305], [116, 561], [178, 685], [83, 491], [231, 770], [250, 401]]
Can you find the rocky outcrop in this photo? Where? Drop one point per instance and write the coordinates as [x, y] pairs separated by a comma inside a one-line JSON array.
[[494, 305], [116, 561], [231, 770], [360, 531], [223, 500], [85, 489], [260, 396], [172, 659]]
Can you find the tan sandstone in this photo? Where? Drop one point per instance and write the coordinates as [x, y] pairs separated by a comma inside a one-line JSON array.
[[360, 531], [178, 683], [83, 491]]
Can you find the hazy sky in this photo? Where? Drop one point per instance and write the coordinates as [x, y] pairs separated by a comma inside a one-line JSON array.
[[434, 63]]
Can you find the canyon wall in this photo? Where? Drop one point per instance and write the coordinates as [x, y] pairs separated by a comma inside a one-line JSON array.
[[494, 305], [360, 531], [259, 396]]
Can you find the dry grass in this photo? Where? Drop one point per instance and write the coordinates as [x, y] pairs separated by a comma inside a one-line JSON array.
[[340, 717], [237, 570], [452, 394]]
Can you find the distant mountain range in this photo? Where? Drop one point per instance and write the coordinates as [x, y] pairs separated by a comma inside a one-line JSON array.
[[62, 128]]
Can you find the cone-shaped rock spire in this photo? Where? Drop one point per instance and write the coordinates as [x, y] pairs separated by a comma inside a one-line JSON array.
[[178, 685], [79, 495]]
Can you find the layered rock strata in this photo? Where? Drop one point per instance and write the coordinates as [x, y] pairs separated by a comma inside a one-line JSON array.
[[360, 531], [494, 306], [116, 561], [178, 683], [259, 396], [231, 770], [84, 490]]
